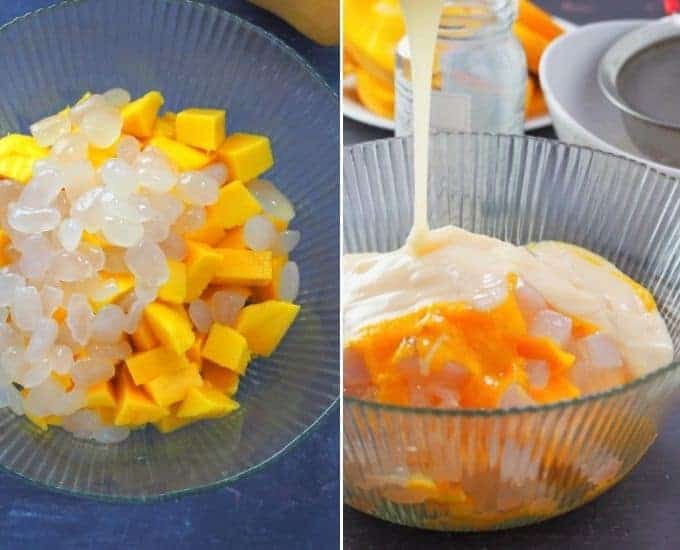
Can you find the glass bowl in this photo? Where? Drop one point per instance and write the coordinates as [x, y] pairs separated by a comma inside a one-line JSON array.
[[492, 469], [197, 56]]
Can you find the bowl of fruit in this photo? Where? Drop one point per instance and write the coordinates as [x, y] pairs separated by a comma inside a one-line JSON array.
[[169, 279]]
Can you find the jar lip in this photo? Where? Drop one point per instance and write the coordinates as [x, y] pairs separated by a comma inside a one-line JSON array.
[[493, 17]]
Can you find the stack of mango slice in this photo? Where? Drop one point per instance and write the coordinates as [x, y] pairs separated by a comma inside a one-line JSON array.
[[174, 374], [373, 28]]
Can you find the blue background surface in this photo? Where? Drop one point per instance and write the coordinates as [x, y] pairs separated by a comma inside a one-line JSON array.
[[291, 503]]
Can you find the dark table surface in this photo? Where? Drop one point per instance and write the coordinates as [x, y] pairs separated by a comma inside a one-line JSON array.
[[292, 503], [643, 511]]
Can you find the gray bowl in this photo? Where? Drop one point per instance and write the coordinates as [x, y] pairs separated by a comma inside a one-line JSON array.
[[640, 76]]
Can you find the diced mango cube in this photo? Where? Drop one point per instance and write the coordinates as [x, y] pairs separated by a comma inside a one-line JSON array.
[[64, 380], [5, 258], [59, 315], [271, 291], [171, 388], [202, 264], [171, 328], [233, 238], [21, 144], [174, 290], [210, 233], [265, 324], [101, 395], [225, 380], [96, 239], [194, 352], [165, 125], [181, 155], [133, 406], [227, 348], [38, 421], [278, 223], [99, 156], [124, 283], [107, 415], [148, 365], [203, 128], [246, 155], [16, 167], [171, 423], [234, 206], [244, 267], [139, 116], [143, 338], [205, 402]]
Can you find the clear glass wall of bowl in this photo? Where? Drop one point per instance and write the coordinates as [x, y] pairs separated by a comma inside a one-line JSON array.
[[497, 469], [197, 56]]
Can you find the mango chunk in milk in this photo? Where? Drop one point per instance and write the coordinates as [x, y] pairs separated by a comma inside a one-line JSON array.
[[139, 116]]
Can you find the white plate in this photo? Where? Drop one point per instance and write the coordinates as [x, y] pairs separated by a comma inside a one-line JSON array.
[[356, 111], [581, 113]]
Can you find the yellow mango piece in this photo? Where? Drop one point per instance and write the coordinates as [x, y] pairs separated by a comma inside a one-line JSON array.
[[205, 402], [59, 315], [171, 388], [194, 352], [143, 338], [375, 93], [233, 238], [148, 365], [171, 423], [64, 379], [246, 156], [99, 156], [265, 324], [271, 291], [95, 239], [38, 421], [202, 128], [107, 415], [171, 328], [5, 258], [124, 282], [278, 223], [101, 395], [165, 125], [244, 267], [545, 349], [174, 290], [227, 348], [20, 144], [234, 206], [139, 116], [16, 167], [225, 380], [210, 233], [181, 155], [202, 264], [133, 406]]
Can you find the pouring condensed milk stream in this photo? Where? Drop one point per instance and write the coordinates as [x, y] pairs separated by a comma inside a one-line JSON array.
[[458, 319]]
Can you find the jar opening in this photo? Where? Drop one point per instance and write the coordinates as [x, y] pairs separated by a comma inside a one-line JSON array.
[[463, 19]]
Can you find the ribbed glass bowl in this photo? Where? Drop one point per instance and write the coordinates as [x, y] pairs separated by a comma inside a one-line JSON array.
[[494, 469], [197, 56]]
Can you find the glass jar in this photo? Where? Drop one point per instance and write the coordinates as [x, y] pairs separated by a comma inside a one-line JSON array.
[[480, 71]]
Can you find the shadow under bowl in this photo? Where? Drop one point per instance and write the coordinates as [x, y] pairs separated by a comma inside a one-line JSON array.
[[490, 469]]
